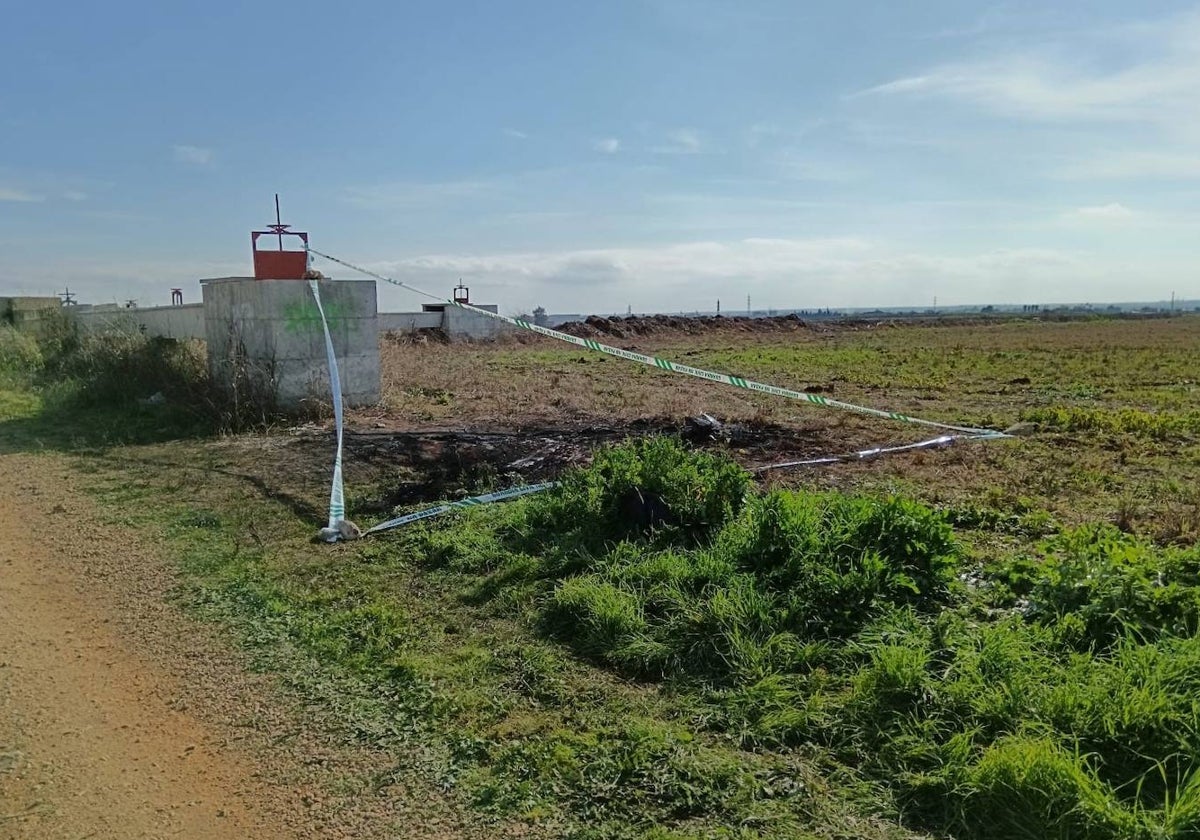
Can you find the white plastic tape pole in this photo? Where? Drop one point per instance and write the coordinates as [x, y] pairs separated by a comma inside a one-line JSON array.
[[676, 367], [873, 452], [474, 501], [337, 493]]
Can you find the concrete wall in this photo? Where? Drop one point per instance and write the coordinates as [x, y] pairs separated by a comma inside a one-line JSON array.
[[270, 331], [455, 322], [179, 322], [462, 323], [409, 322], [28, 312]]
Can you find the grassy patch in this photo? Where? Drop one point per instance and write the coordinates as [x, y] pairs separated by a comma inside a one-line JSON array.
[[66, 388], [435, 645], [1056, 693], [1161, 425]]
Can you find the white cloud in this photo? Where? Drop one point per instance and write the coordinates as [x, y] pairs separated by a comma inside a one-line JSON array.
[[781, 273], [607, 145], [429, 195], [764, 134], [103, 281], [1108, 103], [1065, 81], [194, 155], [1044, 89], [10, 194], [682, 141], [515, 134], [75, 195], [796, 166], [1113, 212]]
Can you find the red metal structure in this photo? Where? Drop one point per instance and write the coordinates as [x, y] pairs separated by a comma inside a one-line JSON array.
[[281, 264]]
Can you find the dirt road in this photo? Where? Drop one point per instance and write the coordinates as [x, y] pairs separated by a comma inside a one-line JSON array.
[[93, 740]]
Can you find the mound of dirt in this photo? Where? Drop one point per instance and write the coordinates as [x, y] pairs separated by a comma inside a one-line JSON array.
[[636, 325], [630, 326]]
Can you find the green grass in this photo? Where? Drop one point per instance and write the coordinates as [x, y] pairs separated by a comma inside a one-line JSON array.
[[799, 660], [956, 644], [432, 646], [67, 389], [18, 404], [1161, 425], [1057, 693]]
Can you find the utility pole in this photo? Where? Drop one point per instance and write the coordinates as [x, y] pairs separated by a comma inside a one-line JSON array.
[[718, 306], [1172, 301], [748, 309]]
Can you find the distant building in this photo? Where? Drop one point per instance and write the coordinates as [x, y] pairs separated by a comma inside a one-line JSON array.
[[28, 312]]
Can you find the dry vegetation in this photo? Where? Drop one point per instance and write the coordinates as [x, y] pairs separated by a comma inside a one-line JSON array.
[[1116, 403]]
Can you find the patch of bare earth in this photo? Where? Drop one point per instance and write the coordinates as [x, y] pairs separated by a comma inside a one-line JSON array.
[[121, 717]]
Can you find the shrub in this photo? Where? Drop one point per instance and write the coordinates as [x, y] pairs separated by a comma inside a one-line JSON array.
[[841, 559], [1114, 585], [629, 770], [116, 369], [693, 494], [20, 357], [601, 618], [777, 574], [1159, 425], [1134, 710], [132, 383]]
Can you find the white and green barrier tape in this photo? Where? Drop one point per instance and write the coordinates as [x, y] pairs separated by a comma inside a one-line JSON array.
[[461, 504], [517, 492], [337, 511], [676, 367], [873, 452], [337, 492]]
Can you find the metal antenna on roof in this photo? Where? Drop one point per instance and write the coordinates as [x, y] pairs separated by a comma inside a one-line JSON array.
[[279, 226]]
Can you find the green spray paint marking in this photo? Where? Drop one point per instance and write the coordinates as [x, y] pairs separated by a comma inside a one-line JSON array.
[[302, 316]]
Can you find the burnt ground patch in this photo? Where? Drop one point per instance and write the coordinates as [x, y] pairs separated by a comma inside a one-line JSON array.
[[387, 469]]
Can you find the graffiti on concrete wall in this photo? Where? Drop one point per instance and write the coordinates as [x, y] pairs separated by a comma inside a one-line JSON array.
[[302, 316]]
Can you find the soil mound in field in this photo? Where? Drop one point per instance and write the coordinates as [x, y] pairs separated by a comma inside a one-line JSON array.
[[597, 326]]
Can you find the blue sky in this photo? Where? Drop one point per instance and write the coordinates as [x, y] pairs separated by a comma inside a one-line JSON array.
[[587, 156]]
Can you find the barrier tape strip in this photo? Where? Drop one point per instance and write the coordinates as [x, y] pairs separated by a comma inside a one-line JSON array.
[[864, 454], [516, 492], [676, 367], [474, 501], [337, 493]]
